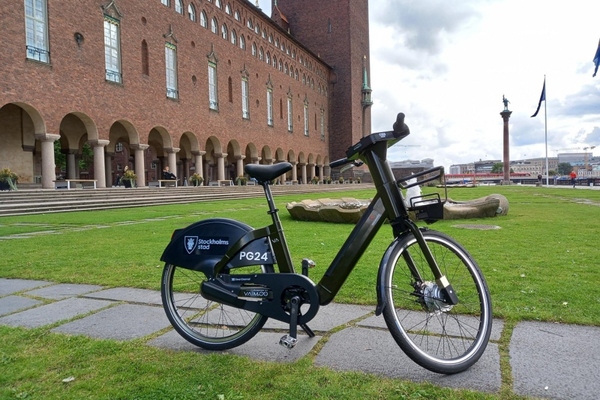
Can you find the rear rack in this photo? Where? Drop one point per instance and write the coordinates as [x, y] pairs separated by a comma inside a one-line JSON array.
[[427, 207]]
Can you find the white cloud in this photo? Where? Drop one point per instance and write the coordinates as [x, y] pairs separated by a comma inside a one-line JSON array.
[[446, 65]]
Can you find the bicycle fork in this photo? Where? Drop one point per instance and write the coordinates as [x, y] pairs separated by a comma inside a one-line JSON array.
[[448, 294]]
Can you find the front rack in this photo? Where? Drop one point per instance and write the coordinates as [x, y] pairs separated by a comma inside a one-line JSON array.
[[427, 207]]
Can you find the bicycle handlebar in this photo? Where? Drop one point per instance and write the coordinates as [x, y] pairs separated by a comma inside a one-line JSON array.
[[399, 132]]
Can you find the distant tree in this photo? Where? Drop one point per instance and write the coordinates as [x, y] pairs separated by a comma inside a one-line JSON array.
[[60, 159], [564, 168], [87, 157], [498, 168]]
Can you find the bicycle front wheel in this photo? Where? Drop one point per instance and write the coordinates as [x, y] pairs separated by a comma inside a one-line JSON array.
[[204, 323], [442, 338]]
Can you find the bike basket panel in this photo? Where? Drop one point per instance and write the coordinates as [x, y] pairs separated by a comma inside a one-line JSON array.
[[202, 244]]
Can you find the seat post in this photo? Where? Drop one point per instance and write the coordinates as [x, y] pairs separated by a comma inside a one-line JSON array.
[[277, 237]]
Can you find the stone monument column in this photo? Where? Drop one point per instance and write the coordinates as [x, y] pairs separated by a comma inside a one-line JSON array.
[[240, 165], [294, 172], [506, 161], [48, 162], [172, 159]]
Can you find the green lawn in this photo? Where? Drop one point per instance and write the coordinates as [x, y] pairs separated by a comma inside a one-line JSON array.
[[541, 265]]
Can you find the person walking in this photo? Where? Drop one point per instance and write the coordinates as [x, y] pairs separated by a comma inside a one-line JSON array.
[[573, 176]]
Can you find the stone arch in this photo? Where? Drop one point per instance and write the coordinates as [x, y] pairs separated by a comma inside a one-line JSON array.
[[76, 130], [189, 147], [266, 155], [251, 154], [20, 150], [301, 168]]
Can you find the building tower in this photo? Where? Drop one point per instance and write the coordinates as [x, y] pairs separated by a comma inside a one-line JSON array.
[[338, 32]]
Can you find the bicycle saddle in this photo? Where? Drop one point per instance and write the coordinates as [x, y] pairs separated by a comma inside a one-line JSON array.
[[265, 173]]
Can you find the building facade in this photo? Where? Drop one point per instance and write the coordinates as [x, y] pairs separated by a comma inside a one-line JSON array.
[[201, 86]]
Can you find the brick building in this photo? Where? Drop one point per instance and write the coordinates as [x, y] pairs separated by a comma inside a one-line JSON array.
[[202, 86]]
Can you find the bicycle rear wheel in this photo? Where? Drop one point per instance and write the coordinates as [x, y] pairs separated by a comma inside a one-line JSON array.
[[204, 323], [442, 338]]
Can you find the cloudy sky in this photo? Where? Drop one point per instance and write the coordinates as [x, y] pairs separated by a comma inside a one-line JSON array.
[[447, 63]]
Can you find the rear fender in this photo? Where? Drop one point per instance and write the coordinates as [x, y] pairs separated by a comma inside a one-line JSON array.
[[203, 244]]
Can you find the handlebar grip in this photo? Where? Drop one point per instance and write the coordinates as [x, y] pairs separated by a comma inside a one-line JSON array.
[[400, 128], [339, 163]]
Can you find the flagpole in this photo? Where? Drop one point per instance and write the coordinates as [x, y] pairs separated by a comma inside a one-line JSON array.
[[546, 130]]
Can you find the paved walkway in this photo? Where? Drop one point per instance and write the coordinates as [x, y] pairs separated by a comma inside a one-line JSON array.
[[551, 361]]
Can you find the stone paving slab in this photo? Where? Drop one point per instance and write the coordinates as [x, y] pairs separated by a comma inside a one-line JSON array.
[[264, 346], [328, 317], [11, 304], [63, 290], [379, 322], [556, 361], [122, 322], [376, 352], [54, 312], [131, 295], [10, 286]]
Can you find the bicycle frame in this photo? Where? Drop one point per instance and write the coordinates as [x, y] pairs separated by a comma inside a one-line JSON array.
[[388, 204]]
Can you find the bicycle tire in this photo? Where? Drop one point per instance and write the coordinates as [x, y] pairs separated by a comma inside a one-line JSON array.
[[207, 324], [441, 338]]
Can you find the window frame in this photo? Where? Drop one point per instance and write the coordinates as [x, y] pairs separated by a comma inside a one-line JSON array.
[[245, 98], [270, 106], [112, 52], [213, 93], [37, 43], [171, 71]]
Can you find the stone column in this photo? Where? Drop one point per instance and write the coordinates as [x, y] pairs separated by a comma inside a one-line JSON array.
[[99, 170], [172, 159], [108, 157], [506, 162], [255, 160], [294, 172], [240, 165], [140, 163], [71, 164], [303, 166], [221, 166], [48, 162], [312, 170], [198, 162]]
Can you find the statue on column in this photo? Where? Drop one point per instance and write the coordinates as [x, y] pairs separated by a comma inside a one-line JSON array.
[[505, 101]]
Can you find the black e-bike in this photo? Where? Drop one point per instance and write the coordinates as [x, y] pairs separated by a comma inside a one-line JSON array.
[[223, 279]]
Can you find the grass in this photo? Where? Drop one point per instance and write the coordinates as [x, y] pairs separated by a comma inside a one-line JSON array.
[[541, 265]]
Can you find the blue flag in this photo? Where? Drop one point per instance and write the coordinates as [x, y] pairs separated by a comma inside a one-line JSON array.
[[597, 60], [542, 98]]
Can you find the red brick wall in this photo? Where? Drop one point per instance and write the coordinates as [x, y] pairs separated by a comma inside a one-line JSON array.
[[74, 81]]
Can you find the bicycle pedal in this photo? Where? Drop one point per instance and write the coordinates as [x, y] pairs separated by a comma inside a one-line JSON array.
[[287, 341]]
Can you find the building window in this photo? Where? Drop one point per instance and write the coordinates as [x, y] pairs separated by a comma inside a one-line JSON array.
[[145, 60], [179, 6], [224, 32], [166, 3], [171, 68], [112, 52], [228, 9], [218, 3], [213, 25], [203, 20], [192, 12], [212, 86], [306, 119], [233, 36], [36, 30], [230, 89], [290, 118], [119, 147], [242, 43], [268, 59], [322, 124], [254, 49], [270, 106], [236, 15], [245, 99], [261, 54]]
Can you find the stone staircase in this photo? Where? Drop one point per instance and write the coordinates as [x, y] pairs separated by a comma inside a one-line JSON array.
[[43, 201]]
